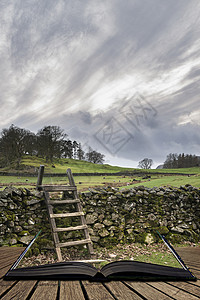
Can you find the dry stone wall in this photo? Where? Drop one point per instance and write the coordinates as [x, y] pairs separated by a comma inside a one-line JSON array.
[[113, 216]]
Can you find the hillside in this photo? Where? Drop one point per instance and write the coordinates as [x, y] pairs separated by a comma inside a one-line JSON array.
[[30, 164]]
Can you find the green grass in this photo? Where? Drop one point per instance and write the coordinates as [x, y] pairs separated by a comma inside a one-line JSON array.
[[77, 166], [82, 182], [158, 258], [194, 170], [162, 180]]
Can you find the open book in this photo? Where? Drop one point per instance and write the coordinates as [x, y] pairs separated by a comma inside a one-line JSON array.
[[118, 270]]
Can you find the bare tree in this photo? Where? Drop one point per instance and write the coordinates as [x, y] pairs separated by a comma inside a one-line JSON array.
[[146, 163]]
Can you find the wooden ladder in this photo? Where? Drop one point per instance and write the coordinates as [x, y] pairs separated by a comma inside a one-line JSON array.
[[52, 216]]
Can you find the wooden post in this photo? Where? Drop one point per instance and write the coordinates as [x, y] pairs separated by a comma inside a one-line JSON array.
[[40, 176], [70, 177]]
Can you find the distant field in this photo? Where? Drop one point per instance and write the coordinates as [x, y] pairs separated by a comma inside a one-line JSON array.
[[162, 180], [31, 164], [195, 170], [84, 182]]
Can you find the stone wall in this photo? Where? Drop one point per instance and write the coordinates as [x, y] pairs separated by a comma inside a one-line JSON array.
[[134, 215], [22, 215], [113, 216]]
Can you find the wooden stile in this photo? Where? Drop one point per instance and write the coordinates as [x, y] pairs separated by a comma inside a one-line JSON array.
[[78, 213]]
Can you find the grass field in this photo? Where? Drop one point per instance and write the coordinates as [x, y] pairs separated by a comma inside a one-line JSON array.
[[84, 182], [31, 164], [162, 180]]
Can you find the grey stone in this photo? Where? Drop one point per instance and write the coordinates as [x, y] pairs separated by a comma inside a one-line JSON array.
[[151, 217], [2, 229], [115, 216], [149, 239], [103, 232], [184, 226], [107, 222], [11, 224], [99, 226], [17, 229], [113, 228], [95, 238], [91, 218], [31, 221], [161, 193], [12, 241], [26, 239], [12, 206], [194, 226], [33, 201], [177, 229]]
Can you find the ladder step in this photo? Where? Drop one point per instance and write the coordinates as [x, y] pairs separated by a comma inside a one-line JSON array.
[[70, 228], [74, 243], [75, 214], [57, 188], [63, 201]]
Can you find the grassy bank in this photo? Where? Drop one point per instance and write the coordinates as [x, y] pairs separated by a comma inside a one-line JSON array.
[[31, 163]]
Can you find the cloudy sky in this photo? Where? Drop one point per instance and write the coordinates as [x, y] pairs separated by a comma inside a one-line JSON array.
[[120, 76]]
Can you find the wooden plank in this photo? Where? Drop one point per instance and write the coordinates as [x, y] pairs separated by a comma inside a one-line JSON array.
[[46, 290], [4, 270], [188, 287], [5, 285], [8, 255], [196, 283], [57, 188], [96, 291], [121, 291], [65, 215], [12, 251], [7, 261], [172, 291], [20, 291], [71, 290], [70, 228], [74, 243], [194, 265], [63, 201], [195, 272], [191, 254], [147, 291]]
